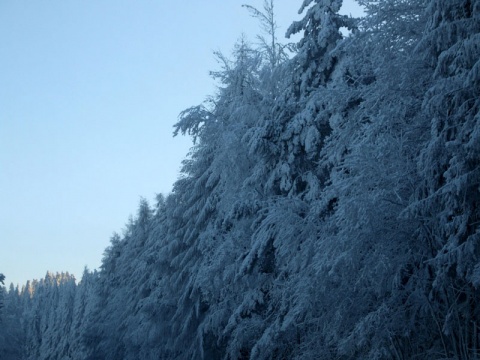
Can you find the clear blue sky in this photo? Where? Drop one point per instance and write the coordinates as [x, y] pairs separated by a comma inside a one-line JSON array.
[[89, 93]]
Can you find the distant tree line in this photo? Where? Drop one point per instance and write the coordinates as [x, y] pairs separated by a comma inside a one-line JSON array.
[[329, 208]]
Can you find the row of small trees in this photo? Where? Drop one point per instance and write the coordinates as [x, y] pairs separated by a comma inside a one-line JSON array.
[[329, 208]]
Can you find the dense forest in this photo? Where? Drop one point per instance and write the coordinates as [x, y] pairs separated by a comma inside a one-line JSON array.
[[329, 208]]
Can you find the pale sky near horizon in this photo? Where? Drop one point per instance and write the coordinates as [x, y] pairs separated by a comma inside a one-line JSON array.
[[90, 91]]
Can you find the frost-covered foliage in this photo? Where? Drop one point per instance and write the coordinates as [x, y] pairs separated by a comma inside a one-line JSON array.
[[329, 209], [448, 201], [11, 334]]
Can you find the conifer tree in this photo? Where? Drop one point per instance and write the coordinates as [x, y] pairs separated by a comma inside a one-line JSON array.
[[448, 202]]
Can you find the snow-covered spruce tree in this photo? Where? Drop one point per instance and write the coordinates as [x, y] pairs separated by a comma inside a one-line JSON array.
[[237, 309], [30, 318], [82, 313], [449, 196], [427, 256], [288, 139], [368, 256], [26, 299], [202, 240], [47, 296], [102, 337], [140, 277], [119, 288], [64, 315], [11, 334], [291, 133], [149, 327]]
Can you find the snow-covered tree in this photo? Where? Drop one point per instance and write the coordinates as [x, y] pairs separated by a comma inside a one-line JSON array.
[[449, 195], [11, 334]]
